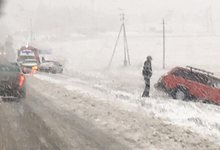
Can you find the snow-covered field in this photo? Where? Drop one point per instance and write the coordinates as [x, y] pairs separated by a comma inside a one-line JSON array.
[[86, 60], [91, 53]]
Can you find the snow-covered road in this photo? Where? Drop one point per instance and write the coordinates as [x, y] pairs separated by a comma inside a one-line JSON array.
[[37, 123], [137, 124]]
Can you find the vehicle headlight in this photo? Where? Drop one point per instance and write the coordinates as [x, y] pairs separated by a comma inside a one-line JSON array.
[[34, 68]]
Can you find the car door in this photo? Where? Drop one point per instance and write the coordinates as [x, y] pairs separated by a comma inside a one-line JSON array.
[[198, 85]]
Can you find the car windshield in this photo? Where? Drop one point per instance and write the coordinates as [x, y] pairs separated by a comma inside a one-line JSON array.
[[191, 75]]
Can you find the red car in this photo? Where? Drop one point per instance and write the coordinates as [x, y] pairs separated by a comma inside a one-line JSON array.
[[191, 83]]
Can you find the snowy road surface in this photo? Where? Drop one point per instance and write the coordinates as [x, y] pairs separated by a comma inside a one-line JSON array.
[[35, 124], [53, 118]]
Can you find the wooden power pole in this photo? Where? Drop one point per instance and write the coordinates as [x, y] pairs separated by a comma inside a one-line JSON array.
[[164, 46], [126, 51]]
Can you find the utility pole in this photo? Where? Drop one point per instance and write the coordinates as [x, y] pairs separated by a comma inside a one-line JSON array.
[[126, 51], [164, 50]]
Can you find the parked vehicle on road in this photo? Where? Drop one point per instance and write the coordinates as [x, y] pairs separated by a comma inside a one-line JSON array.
[[12, 81], [191, 83], [50, 66], [29, 66], [28, 52]]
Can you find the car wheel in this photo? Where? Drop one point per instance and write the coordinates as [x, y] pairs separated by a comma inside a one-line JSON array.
[[181, 93]]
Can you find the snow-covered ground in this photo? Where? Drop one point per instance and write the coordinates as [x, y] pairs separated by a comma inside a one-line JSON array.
[[127, 123], [198, 117], [86, 71]]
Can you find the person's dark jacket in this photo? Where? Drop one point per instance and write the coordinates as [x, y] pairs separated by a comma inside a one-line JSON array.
[[147, 69]]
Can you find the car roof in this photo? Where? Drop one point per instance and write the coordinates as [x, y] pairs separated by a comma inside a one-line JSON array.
[[194, 71]]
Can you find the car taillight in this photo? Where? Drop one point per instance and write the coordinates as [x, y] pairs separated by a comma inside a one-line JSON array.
[[21, 80]]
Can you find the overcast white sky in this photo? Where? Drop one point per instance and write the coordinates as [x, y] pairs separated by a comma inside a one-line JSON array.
[[193, 11], [131, 6], [136, 6]]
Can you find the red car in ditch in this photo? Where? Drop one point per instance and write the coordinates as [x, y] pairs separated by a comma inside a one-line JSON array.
[[191, 84]]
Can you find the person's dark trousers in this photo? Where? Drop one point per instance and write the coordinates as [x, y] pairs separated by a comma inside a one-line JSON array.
[[147, 88]]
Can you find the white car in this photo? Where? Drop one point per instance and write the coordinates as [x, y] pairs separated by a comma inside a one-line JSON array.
[[51, 67]]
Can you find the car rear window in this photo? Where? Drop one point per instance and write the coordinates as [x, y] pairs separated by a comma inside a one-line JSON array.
[[193, 76], [215, 82]]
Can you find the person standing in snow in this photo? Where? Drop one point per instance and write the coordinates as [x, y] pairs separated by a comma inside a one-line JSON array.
[[147, 73]]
